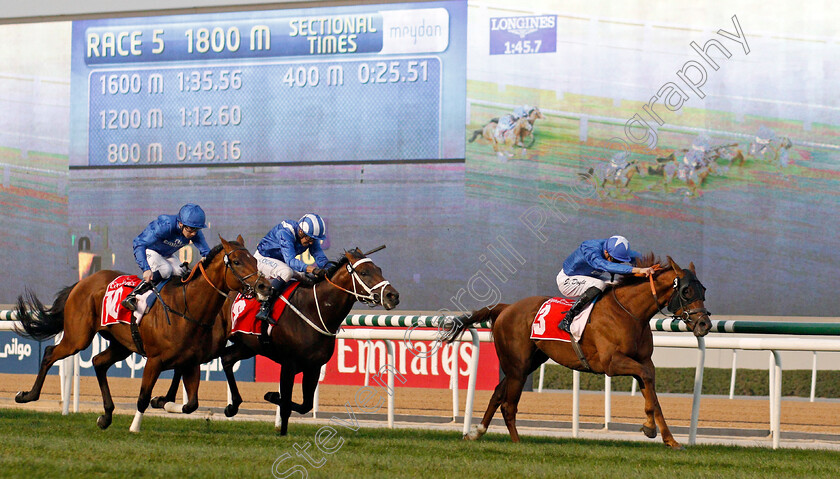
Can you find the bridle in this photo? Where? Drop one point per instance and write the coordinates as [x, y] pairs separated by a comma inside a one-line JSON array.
[[372, 298], [687, 290], [249, 290]]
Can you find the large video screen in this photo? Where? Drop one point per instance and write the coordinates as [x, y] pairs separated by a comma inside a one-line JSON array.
[[368, 83]]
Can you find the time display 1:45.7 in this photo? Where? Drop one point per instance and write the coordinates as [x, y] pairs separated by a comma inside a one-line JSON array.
[[523, 46]]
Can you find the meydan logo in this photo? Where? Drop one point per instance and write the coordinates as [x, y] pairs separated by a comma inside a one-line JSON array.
[[21, 350], [522, 26]]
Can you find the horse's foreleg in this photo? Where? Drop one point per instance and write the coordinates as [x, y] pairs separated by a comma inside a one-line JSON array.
[[652, 407], [308, 386], [230, 357], [101, 362], [621, 365], [192, 378], [287, 383], [171, 394], [150, 375]]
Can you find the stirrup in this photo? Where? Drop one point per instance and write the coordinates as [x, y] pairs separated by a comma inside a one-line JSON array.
[[130, 302], [566, 324], [264, 314]]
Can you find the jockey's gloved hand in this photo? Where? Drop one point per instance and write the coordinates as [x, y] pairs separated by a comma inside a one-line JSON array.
[[318, 272], [308, 279]]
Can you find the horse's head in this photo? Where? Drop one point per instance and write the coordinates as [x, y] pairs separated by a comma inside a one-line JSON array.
[[242, 267], [535, 114], [686, 302], [365, 280]]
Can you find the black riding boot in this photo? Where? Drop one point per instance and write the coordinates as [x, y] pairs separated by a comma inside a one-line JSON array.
[[264, 314], [587, 297], [130, 301]]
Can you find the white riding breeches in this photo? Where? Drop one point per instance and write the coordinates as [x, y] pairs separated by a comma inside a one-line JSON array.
[[274, 268], [573, 287], [165, 266]]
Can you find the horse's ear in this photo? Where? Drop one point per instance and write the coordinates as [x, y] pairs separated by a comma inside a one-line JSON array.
[[225, 244], [240, 240], [674, 265], [691, 267]]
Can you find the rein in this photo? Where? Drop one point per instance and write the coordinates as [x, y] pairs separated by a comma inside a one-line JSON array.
[[249, 290]]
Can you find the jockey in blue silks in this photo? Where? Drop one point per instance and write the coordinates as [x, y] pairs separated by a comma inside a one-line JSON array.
[[276, 255], [583, 276], [156, 246]]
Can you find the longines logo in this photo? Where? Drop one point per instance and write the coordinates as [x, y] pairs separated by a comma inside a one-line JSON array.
[[522, 26]]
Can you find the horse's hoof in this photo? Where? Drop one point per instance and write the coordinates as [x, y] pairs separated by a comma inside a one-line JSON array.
[[20, 397], [173, 408], [103, 422], [676, 446], [273, 397], [231, 410], [649, 431], [158, 402]]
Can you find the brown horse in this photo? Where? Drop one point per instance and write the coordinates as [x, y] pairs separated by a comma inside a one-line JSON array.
[[304, 338], [617, 340], [172, 337], [514, 137]]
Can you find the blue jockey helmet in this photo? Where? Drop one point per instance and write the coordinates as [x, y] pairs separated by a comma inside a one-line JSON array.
[[192, 215], [619, 248], [313, 226]]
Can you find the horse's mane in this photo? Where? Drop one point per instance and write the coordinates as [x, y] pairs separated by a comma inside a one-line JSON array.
[[333, 266], [643, 261], [212, 254]]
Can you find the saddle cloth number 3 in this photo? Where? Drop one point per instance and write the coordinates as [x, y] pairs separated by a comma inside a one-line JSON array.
[[539, 323]]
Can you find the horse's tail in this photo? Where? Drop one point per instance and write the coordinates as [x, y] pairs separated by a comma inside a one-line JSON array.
[[476, 134], [39, 322], [461, 323]]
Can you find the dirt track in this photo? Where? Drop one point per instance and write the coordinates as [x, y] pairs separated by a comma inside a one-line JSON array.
[[797, 415]]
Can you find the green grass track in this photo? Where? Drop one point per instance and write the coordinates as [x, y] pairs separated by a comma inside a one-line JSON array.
[[38, 445]]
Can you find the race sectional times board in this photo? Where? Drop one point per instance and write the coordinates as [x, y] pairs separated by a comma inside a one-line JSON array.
[[372, 83]]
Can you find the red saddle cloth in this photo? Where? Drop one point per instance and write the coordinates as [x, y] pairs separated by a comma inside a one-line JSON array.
[[244, 310], [118, 289], [548, 318]]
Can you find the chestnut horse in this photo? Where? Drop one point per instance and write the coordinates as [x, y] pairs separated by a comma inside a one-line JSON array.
[[514, 137], [174, 333], [617, 340]]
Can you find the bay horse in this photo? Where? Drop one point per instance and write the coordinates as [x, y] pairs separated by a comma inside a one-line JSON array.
[[304, 337], [169, 341], [617, 340]]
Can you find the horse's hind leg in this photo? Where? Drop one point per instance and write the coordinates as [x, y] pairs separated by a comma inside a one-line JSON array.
[[101, 363], [159, 401], [230, 356], [510, 404], [492, 406], [68, 346], [150, 376]]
